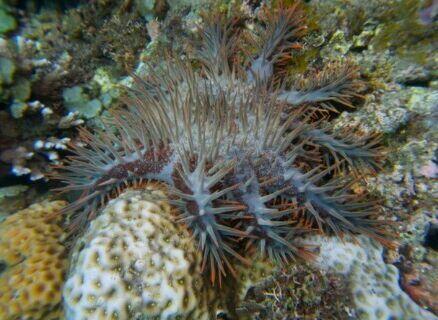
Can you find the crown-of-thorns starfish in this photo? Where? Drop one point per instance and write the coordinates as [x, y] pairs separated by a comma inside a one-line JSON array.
[[250, 161]]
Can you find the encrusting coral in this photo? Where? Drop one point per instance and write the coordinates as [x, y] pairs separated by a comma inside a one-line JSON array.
[[134, 262], [251, 161], [33, 262]]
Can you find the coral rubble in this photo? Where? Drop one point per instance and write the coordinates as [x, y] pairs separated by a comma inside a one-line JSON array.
[[300, 291]]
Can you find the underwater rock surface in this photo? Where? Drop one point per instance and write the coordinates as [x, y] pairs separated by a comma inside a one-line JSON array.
[[374, 284]]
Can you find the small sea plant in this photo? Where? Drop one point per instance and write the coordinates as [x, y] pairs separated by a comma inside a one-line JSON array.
[[250, 158]]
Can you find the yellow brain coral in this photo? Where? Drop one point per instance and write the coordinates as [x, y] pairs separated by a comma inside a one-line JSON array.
[[33, 262]]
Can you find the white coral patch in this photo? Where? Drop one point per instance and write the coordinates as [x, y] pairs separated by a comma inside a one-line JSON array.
[[135, 262], [374, 284]]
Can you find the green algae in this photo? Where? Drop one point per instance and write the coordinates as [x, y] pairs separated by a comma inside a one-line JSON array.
[[76, 100], [392, 25], [17, 109], [401, 27], [7, 70], [7, 20], [21, 90]]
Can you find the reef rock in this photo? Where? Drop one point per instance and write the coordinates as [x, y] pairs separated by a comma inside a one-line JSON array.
[[374, 283]]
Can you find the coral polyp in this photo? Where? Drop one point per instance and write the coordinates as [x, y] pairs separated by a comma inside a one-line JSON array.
[[251, 161]]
